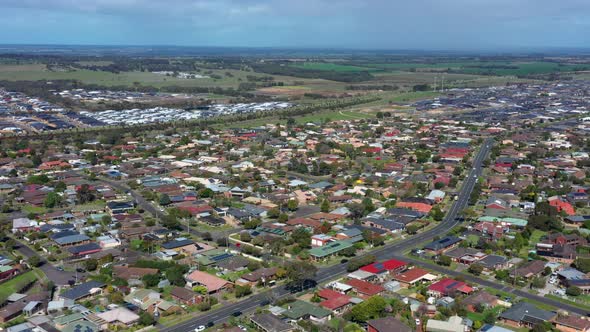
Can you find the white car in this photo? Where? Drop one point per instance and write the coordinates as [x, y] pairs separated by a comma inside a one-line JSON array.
[[417, 322], [200, 328]]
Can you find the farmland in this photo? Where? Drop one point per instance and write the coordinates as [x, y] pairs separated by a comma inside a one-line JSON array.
[[500, 68], [328, 66]]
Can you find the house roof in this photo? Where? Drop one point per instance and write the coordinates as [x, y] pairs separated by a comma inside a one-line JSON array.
[[270, 322], [445, 242], [388, 324], [81, 326], [300, 309], [120, 314], [177, 244], [183, 293], [336, 302], [212, 282], [526, 312], [411, 276], [447, 285], [76, 238], [93, 246], [380, 267], [482, 297], [574, 322], [129, 272], [82, 290], [364, 287], [330, 248]]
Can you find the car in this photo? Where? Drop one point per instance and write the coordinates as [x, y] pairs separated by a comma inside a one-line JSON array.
[[80, 270], [210, 324], [264, 302], [417, 321], [344, 260], [236, 313], [200, 328], [60, 268], [242, 327]]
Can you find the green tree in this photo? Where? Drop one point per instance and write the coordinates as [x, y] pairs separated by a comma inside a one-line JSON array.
[[489, 317], [302, 237], [371, 308], [325, 207], [201, 290], [60, 187], [34, 261], [475, 269], [91, 264], [164, 200], [146, 319], [412, 229], [252, 224], [573, 291], [206, 193], [52, 200], [273, 213], [10, 244], [437, 214], [444, 260], [175, 275], [150, 280], [85, 194], [538, 282], [292, 205], [245, 236], [297, 271], [241, 291]]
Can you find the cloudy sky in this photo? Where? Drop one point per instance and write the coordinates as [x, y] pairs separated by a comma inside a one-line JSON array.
[[382, 24]]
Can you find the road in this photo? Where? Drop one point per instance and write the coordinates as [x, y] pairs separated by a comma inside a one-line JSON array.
[[338, 270], [59, 278], [150, 208]]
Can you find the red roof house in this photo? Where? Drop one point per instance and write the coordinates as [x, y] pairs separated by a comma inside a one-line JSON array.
[[561, 205], [390, 266], [448, 287], [365, 289]]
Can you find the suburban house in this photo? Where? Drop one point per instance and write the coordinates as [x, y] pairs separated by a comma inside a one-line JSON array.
[[525, 314], [387, 324], [571, 323], [441, 246], [214, 284], [448, 287], [84, 290], [269, 323], [299, 310], [151, 301], [185, 296]]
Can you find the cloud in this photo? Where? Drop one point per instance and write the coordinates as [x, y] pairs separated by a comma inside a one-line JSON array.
[[332, 23]]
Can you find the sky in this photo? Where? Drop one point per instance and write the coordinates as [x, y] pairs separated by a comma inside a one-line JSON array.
[[357, 24]]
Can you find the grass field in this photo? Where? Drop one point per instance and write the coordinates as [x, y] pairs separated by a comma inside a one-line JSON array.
[[229, 78], [15, 284], [327, 66], [491, 67], [533, 240]]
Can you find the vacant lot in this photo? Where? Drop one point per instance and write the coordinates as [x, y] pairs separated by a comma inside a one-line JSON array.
[[15, 284]]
